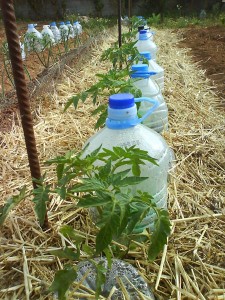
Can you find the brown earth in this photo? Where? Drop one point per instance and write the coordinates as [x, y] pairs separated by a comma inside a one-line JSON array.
[[207, 46]]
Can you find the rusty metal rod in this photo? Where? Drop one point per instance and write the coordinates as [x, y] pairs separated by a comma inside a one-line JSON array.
[[119, 24], [9, 19]]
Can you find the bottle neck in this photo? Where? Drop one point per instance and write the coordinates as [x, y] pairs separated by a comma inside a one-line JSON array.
[[122, 118]]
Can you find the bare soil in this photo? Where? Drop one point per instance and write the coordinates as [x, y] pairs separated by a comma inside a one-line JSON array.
[[208, 48]]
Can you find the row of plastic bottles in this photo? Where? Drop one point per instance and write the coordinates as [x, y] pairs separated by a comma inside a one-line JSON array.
[[50, 35], [124, 128]]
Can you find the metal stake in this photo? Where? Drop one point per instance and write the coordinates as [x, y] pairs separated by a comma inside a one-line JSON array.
[[119, 23], [9, 19]]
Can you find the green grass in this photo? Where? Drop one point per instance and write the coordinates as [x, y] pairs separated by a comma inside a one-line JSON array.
[[183, 22]]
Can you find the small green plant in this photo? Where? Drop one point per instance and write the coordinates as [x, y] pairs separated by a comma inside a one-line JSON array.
[[105, 184], [121, 57], [115, 81], [101, 181], [7, 65], [154, 19]]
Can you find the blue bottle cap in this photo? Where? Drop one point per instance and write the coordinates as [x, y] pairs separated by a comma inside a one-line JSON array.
[[30, 25], [141, 68], [146, 54], [61, 23], [141, 71], [143, 35], [53, 24], [121, 101], [67, 22], [75, 22]]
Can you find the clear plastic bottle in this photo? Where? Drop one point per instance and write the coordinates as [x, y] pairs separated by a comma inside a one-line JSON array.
[[144, 43], [22, 49], [77, 28], [123, 129], [158, 121], [154, 67], [56, 32], [71, 29], [33, 39], [64, 31], [150, 33], [48, 36]]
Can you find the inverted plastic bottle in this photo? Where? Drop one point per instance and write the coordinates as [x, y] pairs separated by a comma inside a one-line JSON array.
[[33, 39], [77, 28], [71, 29], [158, 120], [144, 43], [64, 31], [123, 129], [56, 32], [154, 67], [48, 35], [22, 49], [150, 33]]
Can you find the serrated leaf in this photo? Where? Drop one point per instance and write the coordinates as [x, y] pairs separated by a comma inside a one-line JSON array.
[[101, 120], [69, 232], [87, 249], [136, 170], [93, 202], [159, 235], [88, 185], [132, 180], [41, 197], [114, 178], [61, 192], [105, 235], [108, 255], [83, 96], [62, 281], [66, 253], [100, 108], [119, 151], [100, 279], [68, 103], [10, 204], [105, 170], [59, 170]]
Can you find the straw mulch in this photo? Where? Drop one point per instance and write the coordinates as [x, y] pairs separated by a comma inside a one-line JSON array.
[[192, 266]]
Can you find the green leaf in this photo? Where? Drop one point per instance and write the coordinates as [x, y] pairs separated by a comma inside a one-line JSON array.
[[159, 235], [88, 185], [100, 278], [59, 170], [117, 177], [100, 108], [87, 249], [84, 96], [105, 170], [62, 281], [108, 255], [41, 196], [10, 204], [69, 102], [136, 170], [101, 120], [132, 180], [92, 201], [66, 253], [105, 235], [69, 232]]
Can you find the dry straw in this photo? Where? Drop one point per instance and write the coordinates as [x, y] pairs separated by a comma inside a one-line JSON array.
[[192, 266]]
